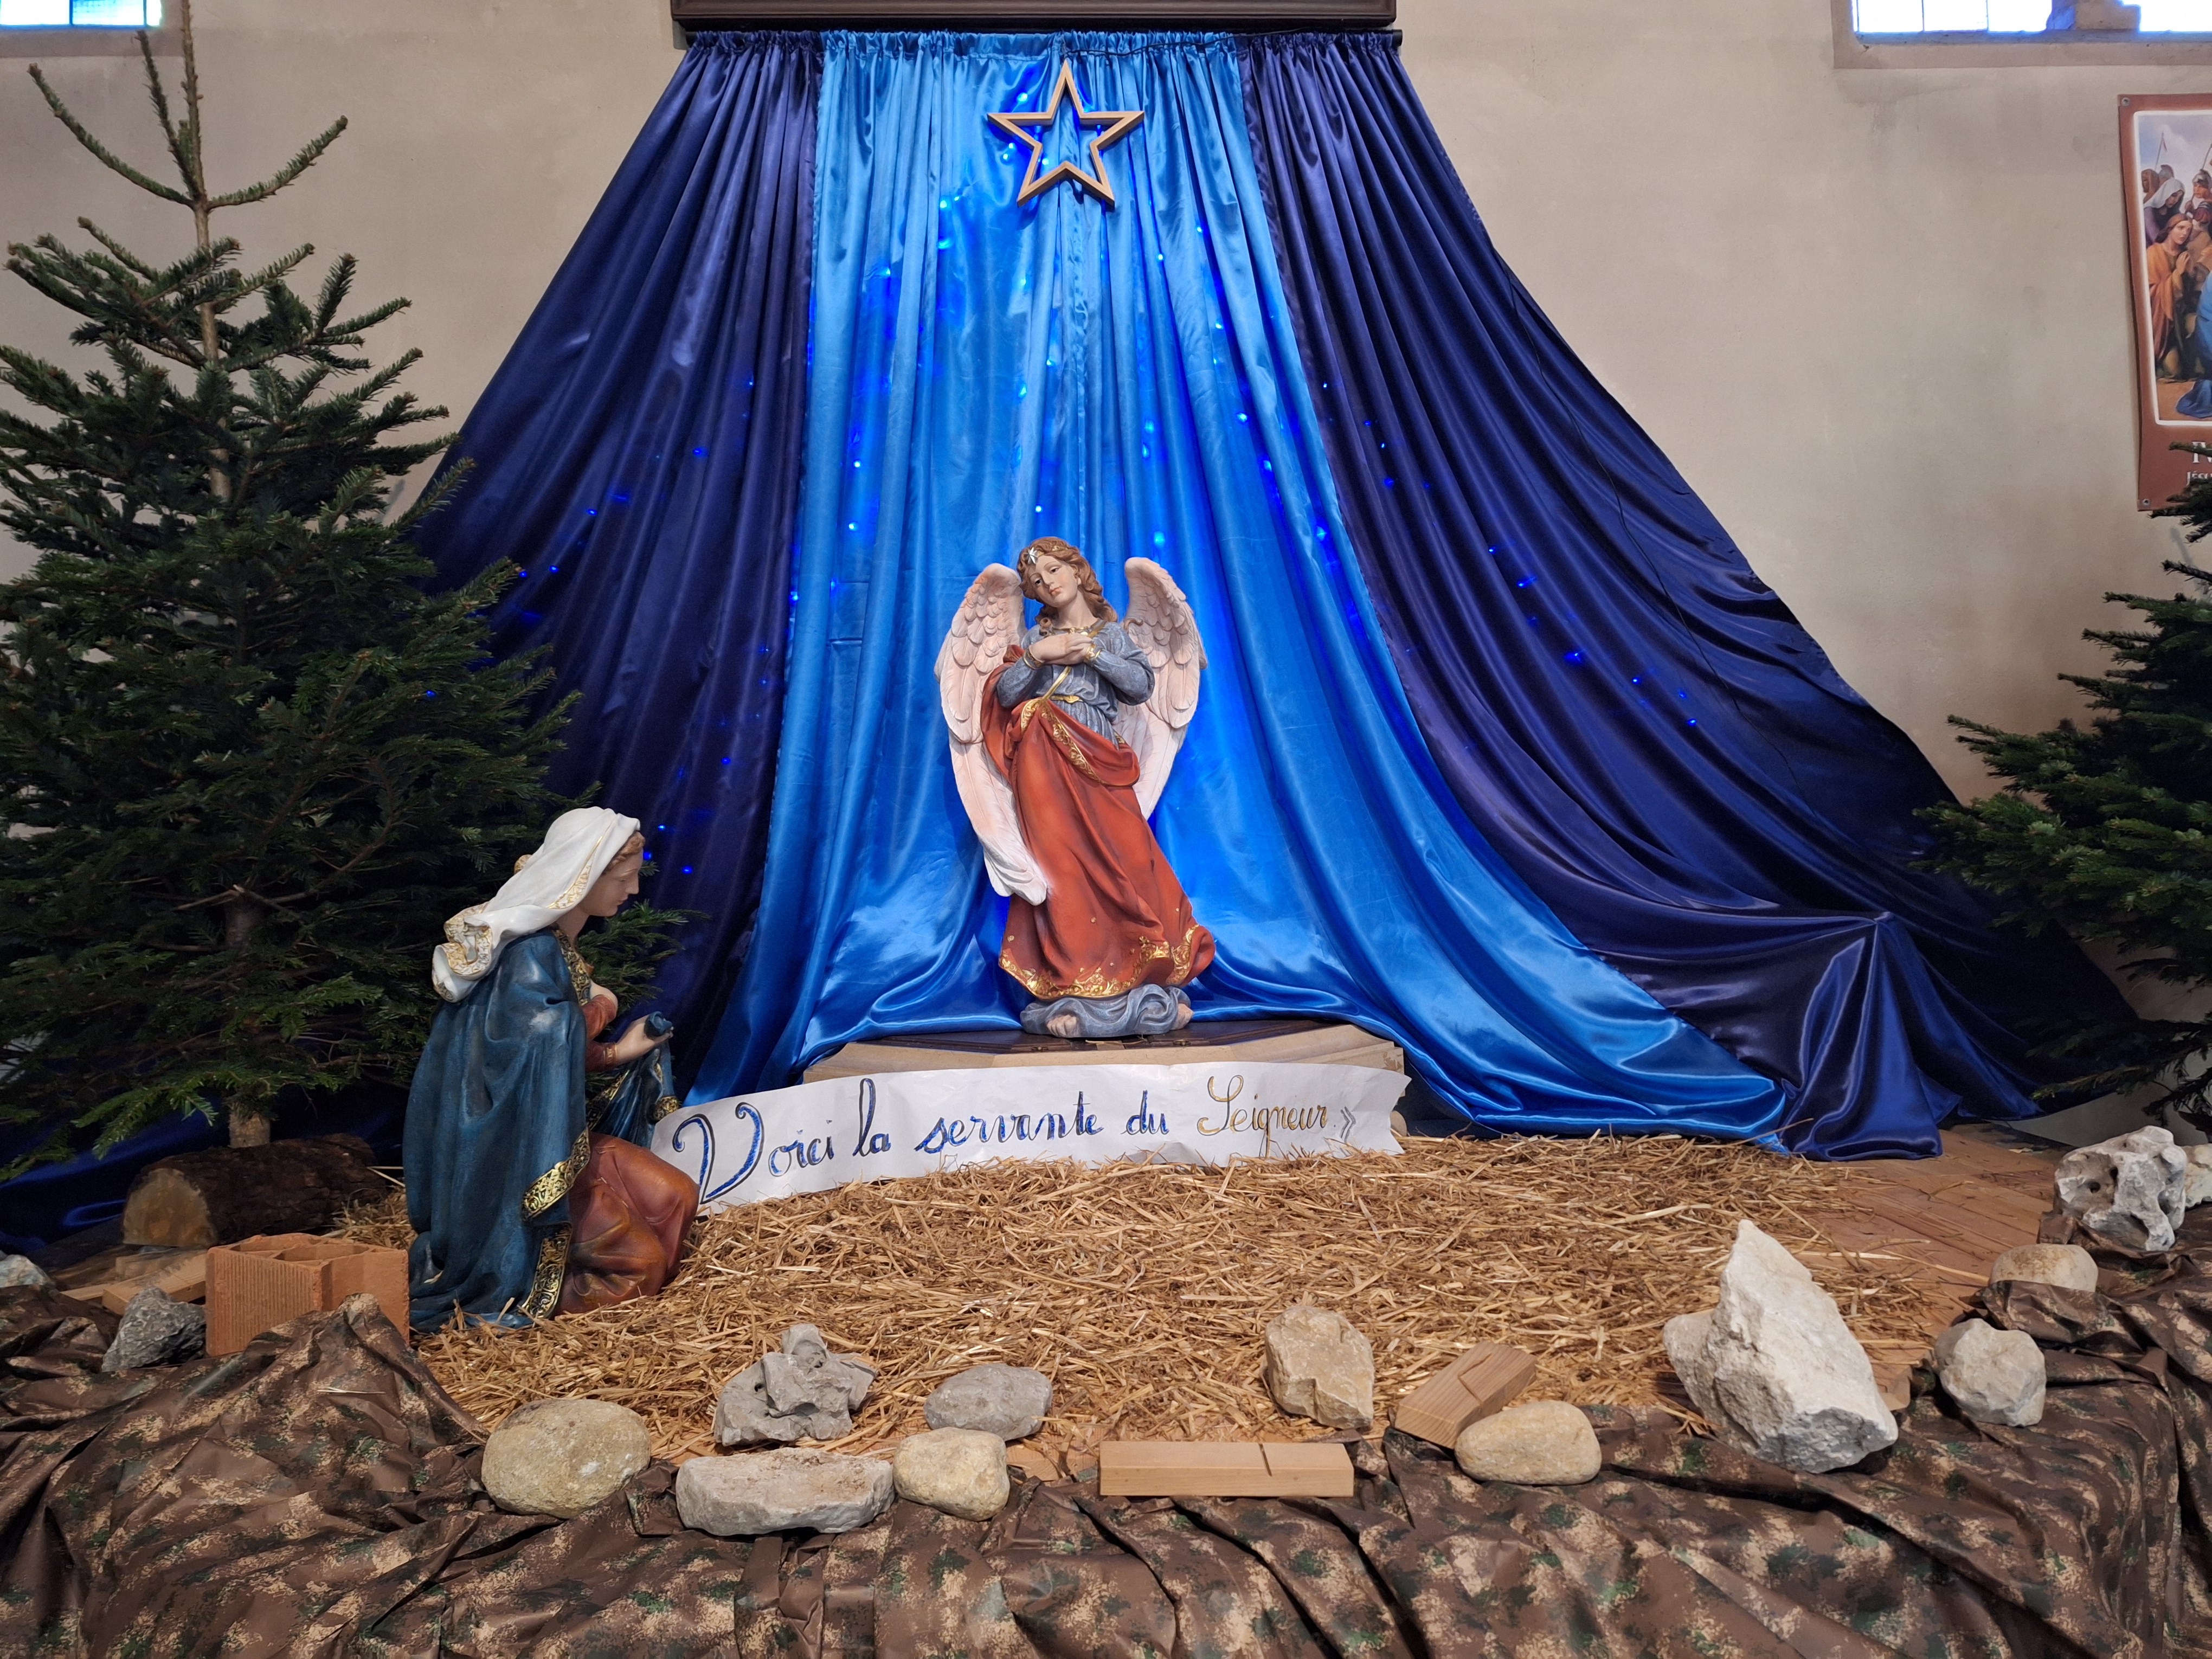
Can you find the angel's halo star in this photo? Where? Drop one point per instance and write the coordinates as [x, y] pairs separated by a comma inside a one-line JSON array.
[[1029, 127]]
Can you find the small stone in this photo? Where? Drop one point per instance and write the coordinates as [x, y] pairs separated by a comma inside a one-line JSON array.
[[2066, 1266], [1010, 1401], [21, 1270], [961, 1472], [1537, 1443], [1320, 1366], [1775, 1368], [559, 1457], [2197, 1189], [758, 1492], [156, 1331], [2129, 1190], [805, 1391], [1993, 1375]]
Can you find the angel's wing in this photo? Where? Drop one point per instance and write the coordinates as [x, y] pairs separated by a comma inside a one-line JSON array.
[[988, 621], [1159, 623]]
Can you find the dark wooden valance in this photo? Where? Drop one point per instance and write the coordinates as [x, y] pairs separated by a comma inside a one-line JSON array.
[[998, 14]]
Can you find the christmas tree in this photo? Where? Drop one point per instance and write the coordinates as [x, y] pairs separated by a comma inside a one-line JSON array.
[[250, 763], [2104, 830]]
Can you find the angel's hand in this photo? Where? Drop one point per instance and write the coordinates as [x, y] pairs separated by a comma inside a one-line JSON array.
[[1060, 648]]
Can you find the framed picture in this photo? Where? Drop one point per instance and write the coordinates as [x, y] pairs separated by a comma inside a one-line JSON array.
[[2165, 165]]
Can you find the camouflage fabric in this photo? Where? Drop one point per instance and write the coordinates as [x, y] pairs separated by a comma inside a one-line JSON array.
[[316, 1494]]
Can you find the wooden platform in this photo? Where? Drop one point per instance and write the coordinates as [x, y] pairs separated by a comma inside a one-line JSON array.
[[1942, 1221], [1296, 1041]]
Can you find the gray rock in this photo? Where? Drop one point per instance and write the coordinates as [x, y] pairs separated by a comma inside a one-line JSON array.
[[758, 1492], [1537, 1443], [1010, 1401], [2129, 1191], [2198, 1187], [559, 1457], [17, 1270], [1320, 1366], [1775, 1368], [805, 1391], [961, 1472], [1993, 1375], [156, 1331], [2066, 1266]]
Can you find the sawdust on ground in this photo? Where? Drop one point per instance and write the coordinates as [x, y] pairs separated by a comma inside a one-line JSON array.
[[1143, 1290]]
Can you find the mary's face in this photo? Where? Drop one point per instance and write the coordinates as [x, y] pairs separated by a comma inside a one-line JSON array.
[[616, 887], [1055, 580]]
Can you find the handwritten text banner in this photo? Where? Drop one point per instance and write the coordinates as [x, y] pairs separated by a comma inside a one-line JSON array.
[[820, 1135]]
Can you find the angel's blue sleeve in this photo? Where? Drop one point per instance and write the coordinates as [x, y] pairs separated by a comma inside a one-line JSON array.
[[1022, 680], [1127, 670]]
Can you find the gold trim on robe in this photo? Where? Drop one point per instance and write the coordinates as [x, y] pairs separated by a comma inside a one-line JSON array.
[[550, 1188]]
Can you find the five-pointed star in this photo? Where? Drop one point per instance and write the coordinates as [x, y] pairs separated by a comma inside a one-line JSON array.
[[1118, 123]]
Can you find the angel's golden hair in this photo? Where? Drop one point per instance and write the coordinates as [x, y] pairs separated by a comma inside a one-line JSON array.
[[1086, 579]]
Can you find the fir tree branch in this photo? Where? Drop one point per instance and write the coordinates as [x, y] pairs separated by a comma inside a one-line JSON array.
[[308, 155], [107, 157]]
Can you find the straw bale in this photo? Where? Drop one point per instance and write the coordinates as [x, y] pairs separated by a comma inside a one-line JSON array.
[[1143, 1290]]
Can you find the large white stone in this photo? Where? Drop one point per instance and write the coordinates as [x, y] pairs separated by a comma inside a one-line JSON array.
[[756, 1492], [1993, 1375], [2199, 1188], [1320, 1366], [2131, 1190], [559, 1457], [961, 1472], [1774, 1368]]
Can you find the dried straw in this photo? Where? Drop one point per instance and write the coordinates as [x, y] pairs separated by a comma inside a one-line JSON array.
[[1143, 1290]]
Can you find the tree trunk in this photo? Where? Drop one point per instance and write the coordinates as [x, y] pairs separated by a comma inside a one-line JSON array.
[[228, 1193]]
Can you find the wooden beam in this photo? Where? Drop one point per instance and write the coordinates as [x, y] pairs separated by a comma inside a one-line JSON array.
[[999, 15], [1224, 1468]]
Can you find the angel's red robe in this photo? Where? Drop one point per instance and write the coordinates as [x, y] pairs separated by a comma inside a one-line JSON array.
[[1116, 917]]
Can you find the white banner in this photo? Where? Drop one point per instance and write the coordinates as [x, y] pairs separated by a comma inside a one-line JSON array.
[[820, 1135]]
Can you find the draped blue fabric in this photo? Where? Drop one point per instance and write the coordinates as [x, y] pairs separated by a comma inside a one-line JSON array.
[[984, 372], [1625, 712], [637, 456]]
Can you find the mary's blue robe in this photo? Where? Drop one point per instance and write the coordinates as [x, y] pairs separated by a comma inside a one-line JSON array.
[[498, 1129]]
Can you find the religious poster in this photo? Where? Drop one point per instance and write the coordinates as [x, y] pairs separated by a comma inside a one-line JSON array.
[[2165, 159]]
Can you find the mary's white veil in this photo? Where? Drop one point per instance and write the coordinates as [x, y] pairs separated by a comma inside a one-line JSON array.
[[545, 884]]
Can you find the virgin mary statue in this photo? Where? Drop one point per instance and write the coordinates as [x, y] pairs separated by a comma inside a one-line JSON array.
[[528, 1183]]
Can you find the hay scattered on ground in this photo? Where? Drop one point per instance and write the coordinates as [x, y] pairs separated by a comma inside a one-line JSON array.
[[1143, 1290]]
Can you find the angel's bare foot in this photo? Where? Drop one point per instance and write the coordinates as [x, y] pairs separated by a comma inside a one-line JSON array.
[[1064, 1025], [1181, 1017]]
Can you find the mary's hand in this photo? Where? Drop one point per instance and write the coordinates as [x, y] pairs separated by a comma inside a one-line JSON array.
[[636, 1043]]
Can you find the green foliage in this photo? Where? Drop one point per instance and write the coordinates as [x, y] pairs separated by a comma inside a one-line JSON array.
[[249, 765], [2105, 829]]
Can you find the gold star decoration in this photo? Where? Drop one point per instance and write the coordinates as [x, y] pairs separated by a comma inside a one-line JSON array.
[[1114, 125]]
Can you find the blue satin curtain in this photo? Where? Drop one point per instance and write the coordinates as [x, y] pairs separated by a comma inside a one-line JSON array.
[[1620, 706], [637, 456], [984, 372]]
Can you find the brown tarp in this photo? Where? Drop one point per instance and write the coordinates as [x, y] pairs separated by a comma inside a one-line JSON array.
[[315, 1495]]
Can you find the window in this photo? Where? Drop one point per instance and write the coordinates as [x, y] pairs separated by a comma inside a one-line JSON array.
[[2019, 18], [81, 13]]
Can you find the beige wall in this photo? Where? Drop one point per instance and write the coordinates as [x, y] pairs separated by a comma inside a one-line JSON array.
[[1878, 318]]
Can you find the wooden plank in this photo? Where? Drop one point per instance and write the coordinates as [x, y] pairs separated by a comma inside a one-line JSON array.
[[1224, 1468], [1309, 1468], [1485, 1379], [181, 1279]]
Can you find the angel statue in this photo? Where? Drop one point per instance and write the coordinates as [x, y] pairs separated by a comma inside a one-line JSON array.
[[1063, 735]]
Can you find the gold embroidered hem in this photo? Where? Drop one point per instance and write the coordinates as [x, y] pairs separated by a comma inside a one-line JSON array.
[[1095, 986], [580, 971], [664, 1105], [552, 1187], [545, 1284]]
